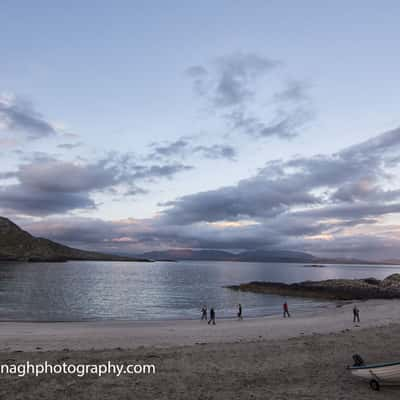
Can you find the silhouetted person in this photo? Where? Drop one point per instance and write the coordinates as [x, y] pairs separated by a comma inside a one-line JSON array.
[[212, 317], [204, 313], [239, 314], [356, 314], [285, 310]]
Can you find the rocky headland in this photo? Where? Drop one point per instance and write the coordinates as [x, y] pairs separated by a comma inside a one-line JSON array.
[[18, 245], [331, 289]]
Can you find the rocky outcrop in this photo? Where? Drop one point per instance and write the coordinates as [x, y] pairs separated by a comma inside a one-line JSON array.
[[18, 245], [332, 289]]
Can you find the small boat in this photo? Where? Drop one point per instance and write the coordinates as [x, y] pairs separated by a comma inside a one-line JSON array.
[[314, 266], [376, 374]]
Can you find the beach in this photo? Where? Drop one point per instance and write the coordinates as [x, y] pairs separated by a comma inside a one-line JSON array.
[[302, 357], [98, 335]]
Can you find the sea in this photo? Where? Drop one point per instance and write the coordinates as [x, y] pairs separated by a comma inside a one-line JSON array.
[[92, 291]]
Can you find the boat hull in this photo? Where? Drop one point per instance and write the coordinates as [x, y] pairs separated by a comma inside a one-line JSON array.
[[385, 373]]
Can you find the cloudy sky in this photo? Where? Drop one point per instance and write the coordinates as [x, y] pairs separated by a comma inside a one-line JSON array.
[[133, 126]]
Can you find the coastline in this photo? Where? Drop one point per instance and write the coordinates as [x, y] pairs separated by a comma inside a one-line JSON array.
[[47, 336], [284, 364]]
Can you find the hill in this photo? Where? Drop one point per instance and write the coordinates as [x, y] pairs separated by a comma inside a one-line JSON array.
[[188, 254], [218, 255], [254, 256], [18, 245]]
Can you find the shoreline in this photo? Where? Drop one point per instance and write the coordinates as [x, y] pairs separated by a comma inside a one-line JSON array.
[[302, 312], [32, 336], [302, 357]]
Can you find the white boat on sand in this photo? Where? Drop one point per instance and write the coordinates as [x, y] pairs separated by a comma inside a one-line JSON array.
[[376, 374]]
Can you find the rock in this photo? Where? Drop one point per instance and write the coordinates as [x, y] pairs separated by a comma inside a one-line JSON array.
[[331, 289], [394, 278], [372, 281]]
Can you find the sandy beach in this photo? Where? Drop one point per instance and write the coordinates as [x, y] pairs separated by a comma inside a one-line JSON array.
[[303, 357], [30, 336]]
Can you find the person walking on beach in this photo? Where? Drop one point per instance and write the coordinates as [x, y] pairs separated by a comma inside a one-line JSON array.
[[212, 317], [356, 314], [204, 313], [239, 314], [285, 310]]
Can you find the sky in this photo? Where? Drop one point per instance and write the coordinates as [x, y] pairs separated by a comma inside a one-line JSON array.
[[131, 126]]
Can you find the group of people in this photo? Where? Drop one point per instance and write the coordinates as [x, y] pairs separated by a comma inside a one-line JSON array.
[[239, 313], [356, 313], [204, 315]]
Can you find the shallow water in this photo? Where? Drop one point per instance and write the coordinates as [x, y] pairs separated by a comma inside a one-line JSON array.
[[141, 291]]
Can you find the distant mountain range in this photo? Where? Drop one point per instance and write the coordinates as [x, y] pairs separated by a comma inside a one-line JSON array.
[[218, 255], [252, 256], [18, 245]]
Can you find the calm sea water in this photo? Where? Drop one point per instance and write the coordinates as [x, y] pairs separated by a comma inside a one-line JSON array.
[[143, 291]]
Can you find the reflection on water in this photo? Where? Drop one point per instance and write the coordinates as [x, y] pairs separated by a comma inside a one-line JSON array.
[[131, 291]]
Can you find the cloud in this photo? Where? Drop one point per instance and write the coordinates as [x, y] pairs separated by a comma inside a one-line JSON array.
[[49, 186], [69, 146], [52, 187], [177, 148], [235, 89], [216, 151], [237, 73], [384, 144], [364, 246], [284, 125], [31, 201], [257, 197], [7, 175], [233, 79], [352, 212], [158, 171], [60, 176], [294, 91], [186, 146], [19, 115], [365, 188], [196, 71], [330, 205], [132, 235], [199, 76], [135, 190], [302, 196]]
